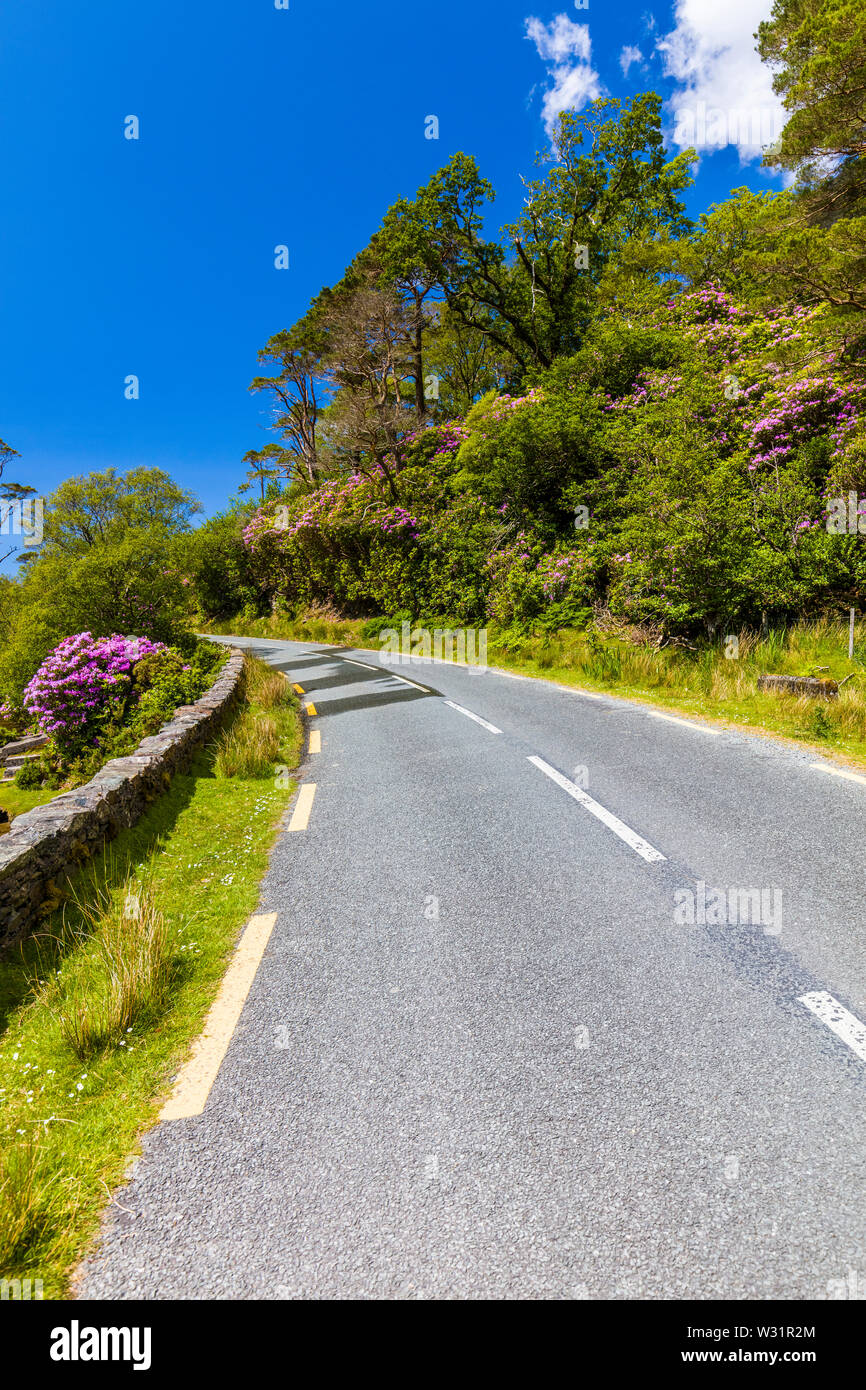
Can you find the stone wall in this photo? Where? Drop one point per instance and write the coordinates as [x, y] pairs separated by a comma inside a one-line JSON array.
[[46, 844]]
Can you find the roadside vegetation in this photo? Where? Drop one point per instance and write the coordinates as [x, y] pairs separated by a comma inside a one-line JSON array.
[[98, 1009], [611, 434], [718, 681], [616, 438]]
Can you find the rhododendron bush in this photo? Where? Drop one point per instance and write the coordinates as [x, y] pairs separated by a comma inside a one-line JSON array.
[[97, 697], [349, 542], [703, 443], [83, 683]]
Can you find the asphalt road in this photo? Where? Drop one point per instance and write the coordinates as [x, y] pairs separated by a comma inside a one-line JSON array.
[[484, 1056]]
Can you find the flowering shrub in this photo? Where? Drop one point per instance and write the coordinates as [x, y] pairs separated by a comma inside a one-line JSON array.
[[707, 439], [82, 684], [801, 410], [98, 697]]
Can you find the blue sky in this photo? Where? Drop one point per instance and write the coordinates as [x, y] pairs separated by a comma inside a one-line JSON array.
[[262, 126]]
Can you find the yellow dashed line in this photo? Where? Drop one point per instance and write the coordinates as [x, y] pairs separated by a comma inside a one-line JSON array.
[[198, 1075], [311, 708], [304, 805], [315, 741], [299, 688]]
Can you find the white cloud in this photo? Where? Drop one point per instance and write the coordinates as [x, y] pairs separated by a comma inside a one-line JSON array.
[[566, 47], [559, 40], [629, 55], [725, 95]]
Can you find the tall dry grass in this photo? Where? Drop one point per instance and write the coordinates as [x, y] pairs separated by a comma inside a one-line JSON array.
[[257, 739], [617, 657], [30, 1198], [123, 977]]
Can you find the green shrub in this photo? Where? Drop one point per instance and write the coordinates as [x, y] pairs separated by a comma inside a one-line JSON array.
[[30, 774]]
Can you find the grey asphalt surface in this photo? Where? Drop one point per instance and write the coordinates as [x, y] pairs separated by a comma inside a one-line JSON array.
[[481, 1060]]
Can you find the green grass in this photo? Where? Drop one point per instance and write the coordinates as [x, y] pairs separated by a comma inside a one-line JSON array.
[[699, 682], [267, 734], [98, 1010], [16, 800], [318, 625]]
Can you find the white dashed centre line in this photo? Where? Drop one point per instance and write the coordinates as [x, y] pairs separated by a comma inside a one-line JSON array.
[[383, 671], [636, 842], [406, 681], [844, 1024], [477, 717]]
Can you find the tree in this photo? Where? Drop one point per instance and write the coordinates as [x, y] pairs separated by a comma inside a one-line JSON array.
[[818, 48], [400, 253], [609, 180], [266, 465], [368, 364], [298, 353], [219, 564], [7, 454], [101, 508], [10, 493], [465, 364], [818, 51]]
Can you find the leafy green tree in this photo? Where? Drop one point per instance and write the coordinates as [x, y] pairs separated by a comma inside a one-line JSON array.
[[534, 296], [818, 51], [464, 365], [102, 508], [218, 563], [132, 586], [529, 453]]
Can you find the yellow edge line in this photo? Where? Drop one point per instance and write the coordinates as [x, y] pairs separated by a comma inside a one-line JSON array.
[[311, 708], [198, 1075], [838, 772], [315, 741], [304, 805], [299, 688]]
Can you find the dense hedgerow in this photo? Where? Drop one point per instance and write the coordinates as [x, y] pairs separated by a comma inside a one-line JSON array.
[[679, 470]]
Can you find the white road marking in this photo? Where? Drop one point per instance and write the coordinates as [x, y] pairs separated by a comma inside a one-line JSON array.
[[540, 680], [839, 772], [637, 843], [383, 671], [686, 723], [844, 1024], [406, 681], [315, 741], [477, 717]]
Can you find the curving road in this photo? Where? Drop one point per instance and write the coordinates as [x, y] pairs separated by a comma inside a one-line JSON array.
[[485, 1055]]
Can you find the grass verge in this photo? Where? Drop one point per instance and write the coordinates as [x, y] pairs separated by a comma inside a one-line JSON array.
[[99, 1009], [17, 800]]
